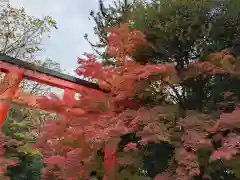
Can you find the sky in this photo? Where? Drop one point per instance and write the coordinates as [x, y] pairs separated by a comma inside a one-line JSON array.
[[72, 16]]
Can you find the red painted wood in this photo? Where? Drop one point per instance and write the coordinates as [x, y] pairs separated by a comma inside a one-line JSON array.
[[9, 93], [43, 78], [69, 96]]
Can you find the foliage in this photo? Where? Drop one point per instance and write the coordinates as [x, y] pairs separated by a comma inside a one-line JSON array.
[[20, 34], [5, 161], [177, 30], [71, 146], [21, 37], [182, 31], [29, 168], [199, 139], [108, 17]]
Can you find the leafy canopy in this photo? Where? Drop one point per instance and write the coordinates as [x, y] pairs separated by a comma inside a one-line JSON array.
[[99, 118]]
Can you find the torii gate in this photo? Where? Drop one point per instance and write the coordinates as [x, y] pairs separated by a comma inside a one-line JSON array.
[[71, 85]]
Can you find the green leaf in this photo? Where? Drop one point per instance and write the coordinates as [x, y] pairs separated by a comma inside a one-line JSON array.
[[28, 149]]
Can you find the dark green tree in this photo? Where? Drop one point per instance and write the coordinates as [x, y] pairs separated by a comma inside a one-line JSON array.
[[177, 30]]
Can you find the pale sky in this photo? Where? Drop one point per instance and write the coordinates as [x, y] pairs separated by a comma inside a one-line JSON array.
[[72, 16]]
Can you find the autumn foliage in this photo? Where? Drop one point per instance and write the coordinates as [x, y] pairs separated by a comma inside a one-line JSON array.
[[72, 147]]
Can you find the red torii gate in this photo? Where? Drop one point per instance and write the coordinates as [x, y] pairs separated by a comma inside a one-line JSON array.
[[70, 84]]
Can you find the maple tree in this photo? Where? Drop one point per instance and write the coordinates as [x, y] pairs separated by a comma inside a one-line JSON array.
[[72, 146], [99, 118]]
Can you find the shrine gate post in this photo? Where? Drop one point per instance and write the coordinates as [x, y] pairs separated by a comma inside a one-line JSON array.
[[9, 92]]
